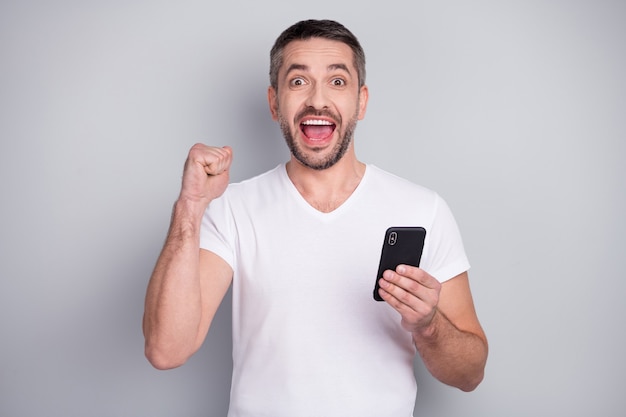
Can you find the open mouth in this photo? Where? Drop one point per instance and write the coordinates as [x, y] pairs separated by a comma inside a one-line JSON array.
[[317, 129]]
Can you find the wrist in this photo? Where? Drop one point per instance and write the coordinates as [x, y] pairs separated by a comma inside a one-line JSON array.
[[429, 331], [190, 207], [187, 216]]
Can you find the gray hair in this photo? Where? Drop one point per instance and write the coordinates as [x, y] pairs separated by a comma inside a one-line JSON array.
[[307, 29]]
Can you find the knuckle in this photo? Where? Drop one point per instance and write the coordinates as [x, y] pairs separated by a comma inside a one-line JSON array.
[[404, 297], [413, 287], [196, 151], [423, 310], [197, 148]]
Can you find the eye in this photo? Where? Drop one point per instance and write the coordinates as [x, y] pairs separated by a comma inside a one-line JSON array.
[[338, 82], [297, 82]]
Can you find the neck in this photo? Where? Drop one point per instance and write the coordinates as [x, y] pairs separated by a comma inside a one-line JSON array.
[[327, 189]]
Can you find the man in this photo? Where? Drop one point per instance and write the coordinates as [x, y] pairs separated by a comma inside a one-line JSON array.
[[299, 244]]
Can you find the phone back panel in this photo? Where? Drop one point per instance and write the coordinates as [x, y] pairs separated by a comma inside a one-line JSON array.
[[402, 245]]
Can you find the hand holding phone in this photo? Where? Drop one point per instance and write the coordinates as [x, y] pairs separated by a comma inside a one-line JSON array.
[[402, 245]]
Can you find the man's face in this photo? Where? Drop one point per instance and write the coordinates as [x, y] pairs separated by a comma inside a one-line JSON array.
[[318, 101]]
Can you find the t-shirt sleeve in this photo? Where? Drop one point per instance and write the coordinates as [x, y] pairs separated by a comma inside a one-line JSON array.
[[444, 252], [217, 230]]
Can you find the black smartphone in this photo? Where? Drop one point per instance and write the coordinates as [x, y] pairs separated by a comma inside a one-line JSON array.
[[402, 245]]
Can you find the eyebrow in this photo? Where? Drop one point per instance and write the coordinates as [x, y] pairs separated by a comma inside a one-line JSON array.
[[331, 67]]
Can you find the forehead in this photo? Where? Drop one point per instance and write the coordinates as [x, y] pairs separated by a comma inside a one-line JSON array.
[[317, 52]]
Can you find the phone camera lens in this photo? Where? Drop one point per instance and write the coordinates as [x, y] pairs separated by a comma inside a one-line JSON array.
[[393, 237]]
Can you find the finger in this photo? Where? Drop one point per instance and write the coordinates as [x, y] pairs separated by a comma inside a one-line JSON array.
[[409, 289], [418, 275], [219, 161], [403, 302], [412, 309], [398, 291], [212, 160]]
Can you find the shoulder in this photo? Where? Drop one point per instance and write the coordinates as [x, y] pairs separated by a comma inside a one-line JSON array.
[[268, 181], [268, 177], [248, 196], [398, 186]]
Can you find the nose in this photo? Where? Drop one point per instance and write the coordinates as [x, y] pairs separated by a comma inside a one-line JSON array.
[[317, 97]]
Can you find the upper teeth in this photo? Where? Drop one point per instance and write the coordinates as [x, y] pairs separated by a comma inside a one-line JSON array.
[[316, 122]]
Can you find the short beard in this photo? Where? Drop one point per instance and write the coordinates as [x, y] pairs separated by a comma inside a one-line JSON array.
[[335, 156]]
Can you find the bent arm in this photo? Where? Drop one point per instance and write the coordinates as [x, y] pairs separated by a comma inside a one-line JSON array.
[[184, 291], [454, 347], [187, 284]]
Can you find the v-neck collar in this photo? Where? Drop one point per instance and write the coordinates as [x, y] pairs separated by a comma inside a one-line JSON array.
[[290, 186]]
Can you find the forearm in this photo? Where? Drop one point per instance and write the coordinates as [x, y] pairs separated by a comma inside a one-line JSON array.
[[453, 356], [173, 310]]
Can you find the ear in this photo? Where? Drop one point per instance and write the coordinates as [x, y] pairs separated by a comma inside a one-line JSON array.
[[272, 100], [363, 97]]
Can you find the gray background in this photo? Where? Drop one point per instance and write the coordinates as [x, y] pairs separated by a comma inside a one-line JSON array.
[[513, 111]]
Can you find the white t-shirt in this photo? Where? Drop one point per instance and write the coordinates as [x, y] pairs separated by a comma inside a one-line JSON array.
[[308, 337]]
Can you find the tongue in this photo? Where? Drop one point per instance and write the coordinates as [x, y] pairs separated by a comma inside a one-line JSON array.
[[317, 132]]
